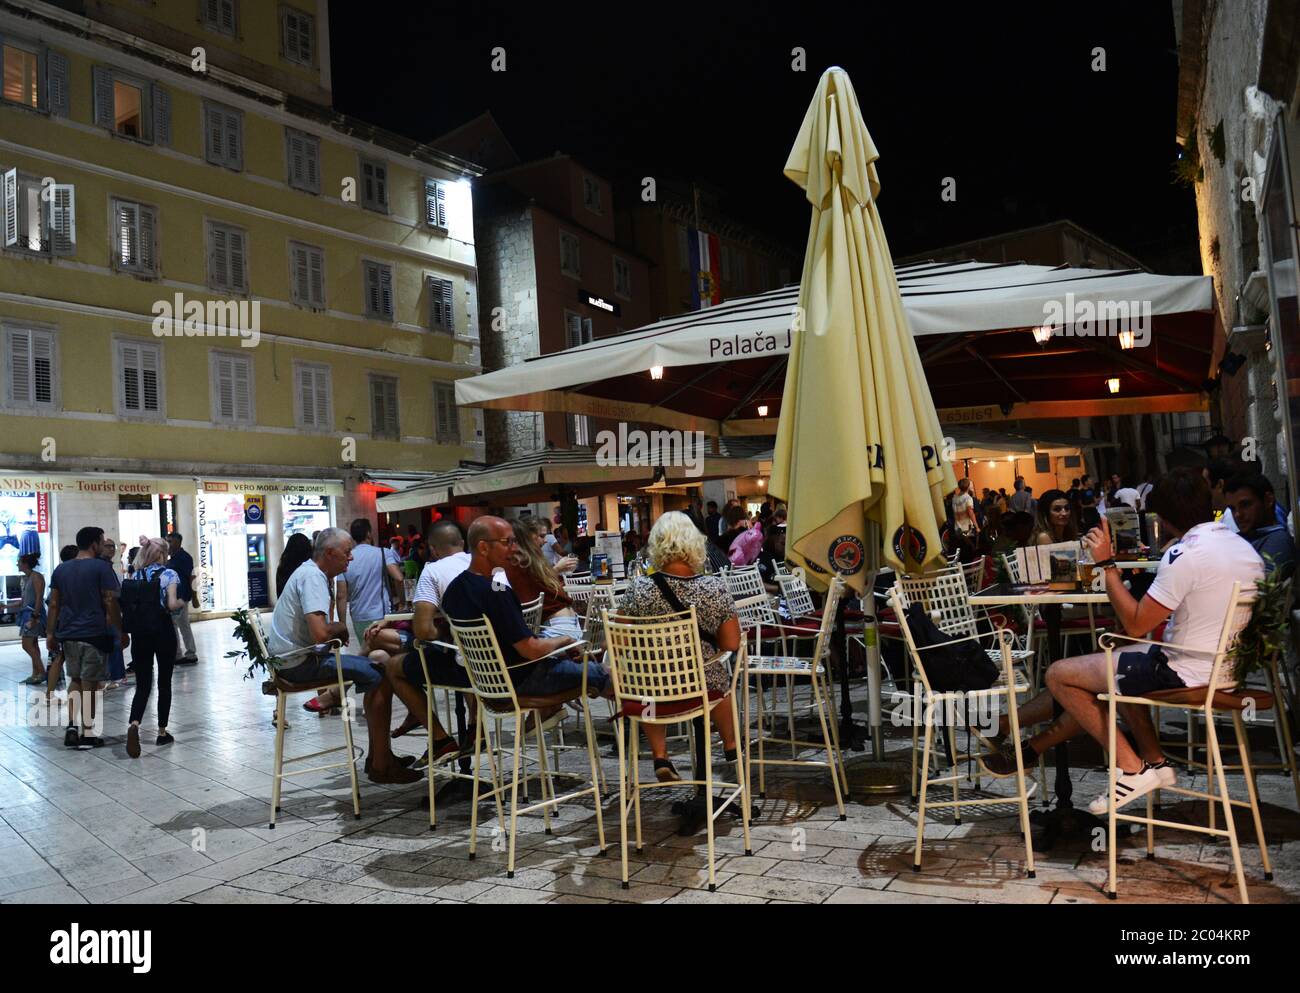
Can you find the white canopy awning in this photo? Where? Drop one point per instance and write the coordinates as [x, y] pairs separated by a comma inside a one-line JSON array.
[[958, 298]]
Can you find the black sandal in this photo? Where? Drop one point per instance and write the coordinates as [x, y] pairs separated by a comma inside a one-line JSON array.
[[666, 772]]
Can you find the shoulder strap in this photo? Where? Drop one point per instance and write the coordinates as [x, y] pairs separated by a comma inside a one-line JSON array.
[[383, 581], [673, 601]]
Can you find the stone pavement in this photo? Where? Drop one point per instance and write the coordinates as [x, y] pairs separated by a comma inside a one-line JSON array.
[[188, 823]]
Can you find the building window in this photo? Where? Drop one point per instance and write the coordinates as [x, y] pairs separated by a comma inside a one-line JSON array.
[[297, 36], [307, 275], [570, 257], [302, 152], [383, 407], [446, 416], [622, 278], [374, 185], [232, 388], [442, 313], [33, 223], [591, 194], [21, 74], [435, 204], [579, 429], [131, 107], [577, 329], [313, 406], [135, 238], [227, 258], [378, 290], [220, 15], [223, 136], [139, 378], [32, 379]]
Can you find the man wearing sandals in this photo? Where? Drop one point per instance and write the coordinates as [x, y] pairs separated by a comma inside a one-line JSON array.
[[1193, 584], [301, 620]]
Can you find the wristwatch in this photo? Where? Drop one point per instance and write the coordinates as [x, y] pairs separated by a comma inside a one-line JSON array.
[[1106, 564]]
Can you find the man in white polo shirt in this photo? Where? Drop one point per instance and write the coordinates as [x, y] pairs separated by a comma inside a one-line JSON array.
[[1193, 584]]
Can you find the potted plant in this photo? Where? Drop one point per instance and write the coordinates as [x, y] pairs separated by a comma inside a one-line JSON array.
[[256, 660], [1265, 633]]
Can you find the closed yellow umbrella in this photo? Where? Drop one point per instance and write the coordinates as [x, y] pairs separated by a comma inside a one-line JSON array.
[[859, 452]]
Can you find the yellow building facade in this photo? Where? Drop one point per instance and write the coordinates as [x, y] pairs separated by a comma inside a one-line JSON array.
[[214, 287]]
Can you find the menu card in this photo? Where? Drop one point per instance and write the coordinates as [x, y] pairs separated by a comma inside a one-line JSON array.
[[1056, 564]]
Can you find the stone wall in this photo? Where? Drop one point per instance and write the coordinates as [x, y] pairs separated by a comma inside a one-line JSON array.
[[508, 321]]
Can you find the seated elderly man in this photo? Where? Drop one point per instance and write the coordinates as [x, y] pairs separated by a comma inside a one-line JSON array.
[[1193, 584], [677, 551], [476, 594], [301, 619]]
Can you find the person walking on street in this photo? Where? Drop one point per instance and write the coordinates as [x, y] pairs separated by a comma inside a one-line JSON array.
[[182, 563], [149, 602], [83, 611], [31, 616]]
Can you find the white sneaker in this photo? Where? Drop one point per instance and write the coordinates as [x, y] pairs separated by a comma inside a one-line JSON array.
[[1168, 775], [1128, 787]]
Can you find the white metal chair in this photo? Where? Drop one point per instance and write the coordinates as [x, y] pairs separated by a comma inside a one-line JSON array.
[[495, 691], [533, 613], [657, 666], [946, 702], [815, 668], [578, 588], [1208, 702], [281, 689], [744, 582]]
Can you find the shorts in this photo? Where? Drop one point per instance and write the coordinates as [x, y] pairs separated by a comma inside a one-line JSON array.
[[1140, 673], [357, 668], [85, 662], [37, 628], [444, 670]]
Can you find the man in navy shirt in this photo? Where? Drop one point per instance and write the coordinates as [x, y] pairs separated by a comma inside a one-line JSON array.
[[473, 594], [182, 564], [1250, 497]]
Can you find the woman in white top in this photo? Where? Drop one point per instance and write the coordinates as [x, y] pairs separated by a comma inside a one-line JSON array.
[[963, 509]]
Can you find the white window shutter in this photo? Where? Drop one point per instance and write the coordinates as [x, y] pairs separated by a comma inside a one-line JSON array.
[[42, 367], [306, 397], [130, 357], [316, 277], [573, 329], [297, 165], [150, 397], [289, 31], [238, 270], [56, 82], [435, 202], [62, 219], [161, 102], [322, 401], [103, 97], [377, 425], [243, 386], [11, 207], [225, 384], [128, 235], [147, 226], [20, 366]]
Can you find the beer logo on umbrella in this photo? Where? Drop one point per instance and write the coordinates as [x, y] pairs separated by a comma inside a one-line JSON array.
[[909, 544], [846, 554]]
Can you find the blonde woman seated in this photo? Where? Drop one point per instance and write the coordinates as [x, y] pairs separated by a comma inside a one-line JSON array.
[[529, 574], [677, 551]]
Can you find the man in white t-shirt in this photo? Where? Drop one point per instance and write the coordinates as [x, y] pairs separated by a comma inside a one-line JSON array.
[[1193, 584]]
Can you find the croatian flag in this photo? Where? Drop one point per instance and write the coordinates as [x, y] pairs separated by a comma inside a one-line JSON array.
[[706, 265]]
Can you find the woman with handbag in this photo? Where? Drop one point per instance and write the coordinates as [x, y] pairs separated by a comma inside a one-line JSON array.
[[677, 552]]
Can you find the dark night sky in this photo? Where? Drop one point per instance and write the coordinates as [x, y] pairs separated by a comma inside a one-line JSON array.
[[999, 96]]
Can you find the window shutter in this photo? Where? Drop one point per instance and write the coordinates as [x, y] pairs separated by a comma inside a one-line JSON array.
[[20, 365], [234, 140], [225, 377], [377, 425], [316, 277], [56, 82], [311, 160], [435, 200], [301, 288], [103, 96], [147, 224], [441, 312], [42, 368], [150, 398], [306, 397], [11, 207], [372, 288], [390, 409], [220, 257], [243, 400], [386, 290], [322, 400], [162, 115], [128, 235], [289, 31], [214, 134], [297, 163], [212, 12], [238, 271], [227, 15], [586, 330], [130, 377], [305, 40], [62, 219], [573, 329]]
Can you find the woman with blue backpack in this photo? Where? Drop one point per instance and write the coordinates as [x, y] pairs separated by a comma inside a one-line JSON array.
[[147, 598]]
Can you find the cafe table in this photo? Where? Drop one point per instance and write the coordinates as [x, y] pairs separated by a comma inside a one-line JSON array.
[[1064, 820]]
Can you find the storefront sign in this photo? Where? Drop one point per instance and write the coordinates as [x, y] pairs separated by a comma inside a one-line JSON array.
[[970, 415], [94, 484], [305, 502], [204, 578], [43, 513], [254, 508], [267, 486], [600, 303]]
